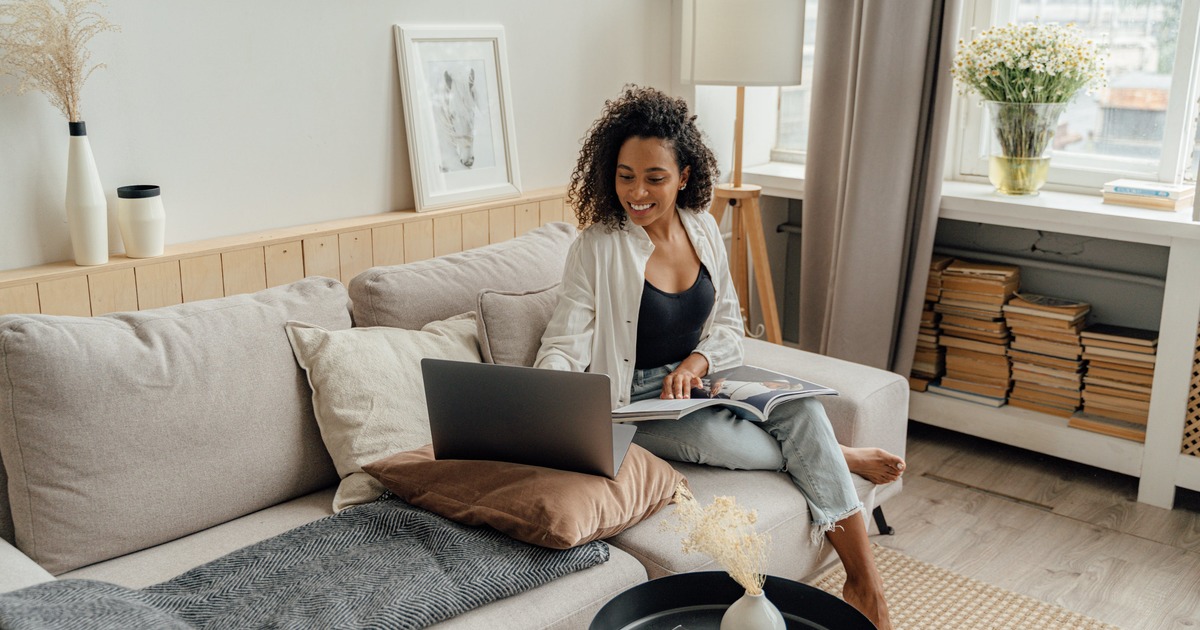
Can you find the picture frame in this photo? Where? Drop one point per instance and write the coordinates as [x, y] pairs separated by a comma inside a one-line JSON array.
[[457, 114]]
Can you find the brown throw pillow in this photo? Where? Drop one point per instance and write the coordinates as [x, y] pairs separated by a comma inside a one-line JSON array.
[[511, 324], [540, 506]]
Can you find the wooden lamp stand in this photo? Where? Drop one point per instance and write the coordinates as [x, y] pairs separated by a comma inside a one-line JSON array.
[[747, 236]]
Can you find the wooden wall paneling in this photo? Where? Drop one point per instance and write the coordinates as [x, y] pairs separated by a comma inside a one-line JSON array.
[[551, 210], [321, 257], [19, 299], [475, 229], [201, 278], [284, 262], [527, 216], [245, 270], [501, 224], [354, 250], [158, 285], [112, 291], [418, 240], [65, 296], [447, 235], [387, 245], [243, 263]]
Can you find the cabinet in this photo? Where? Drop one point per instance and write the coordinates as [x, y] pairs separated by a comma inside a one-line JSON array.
[[1158, 463]]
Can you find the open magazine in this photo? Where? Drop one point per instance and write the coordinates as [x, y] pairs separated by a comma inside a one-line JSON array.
[[750, 392]]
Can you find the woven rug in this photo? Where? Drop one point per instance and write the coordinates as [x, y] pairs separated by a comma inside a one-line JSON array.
[[924, 597]]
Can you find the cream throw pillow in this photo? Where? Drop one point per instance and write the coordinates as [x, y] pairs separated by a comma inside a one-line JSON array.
[[511, 324], [368, 394]]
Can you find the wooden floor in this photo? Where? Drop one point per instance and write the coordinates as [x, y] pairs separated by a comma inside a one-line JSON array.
[[1062, 532]]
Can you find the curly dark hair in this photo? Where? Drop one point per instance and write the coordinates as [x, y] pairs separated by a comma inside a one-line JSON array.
[[640, 112]]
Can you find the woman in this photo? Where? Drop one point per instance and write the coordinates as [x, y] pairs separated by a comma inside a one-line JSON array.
[[647, 298]]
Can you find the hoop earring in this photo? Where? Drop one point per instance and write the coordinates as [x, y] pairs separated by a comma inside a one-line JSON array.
[[683, 186]]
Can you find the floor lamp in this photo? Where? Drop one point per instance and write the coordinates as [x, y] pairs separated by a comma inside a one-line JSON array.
[[743, 43]]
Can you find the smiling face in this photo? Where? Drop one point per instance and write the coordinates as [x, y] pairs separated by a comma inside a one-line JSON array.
[[648, 180]]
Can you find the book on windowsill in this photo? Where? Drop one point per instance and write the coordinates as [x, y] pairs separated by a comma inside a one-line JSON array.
[[1149, 203], [1143, 188], [749, 392], [1149, 189]]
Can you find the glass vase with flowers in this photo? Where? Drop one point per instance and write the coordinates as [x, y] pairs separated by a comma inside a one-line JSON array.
[[1026, 74]]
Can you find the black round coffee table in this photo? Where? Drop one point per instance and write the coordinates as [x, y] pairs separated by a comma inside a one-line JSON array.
[[696, 601]]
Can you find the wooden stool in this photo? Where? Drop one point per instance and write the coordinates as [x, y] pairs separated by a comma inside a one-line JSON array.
[[748, 235]]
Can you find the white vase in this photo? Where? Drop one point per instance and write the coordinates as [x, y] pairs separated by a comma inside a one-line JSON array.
[[142, 220], [87, 210], [753, 612]]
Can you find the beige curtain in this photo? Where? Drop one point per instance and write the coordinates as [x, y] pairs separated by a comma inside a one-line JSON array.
[[880, 111]]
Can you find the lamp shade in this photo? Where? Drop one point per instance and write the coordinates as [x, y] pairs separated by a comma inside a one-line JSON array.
[[742, 42]]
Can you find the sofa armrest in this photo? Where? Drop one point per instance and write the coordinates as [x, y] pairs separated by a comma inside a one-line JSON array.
[[872, 406], [19, 571]]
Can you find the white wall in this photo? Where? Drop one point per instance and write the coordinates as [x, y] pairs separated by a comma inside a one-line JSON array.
[[269, 113]]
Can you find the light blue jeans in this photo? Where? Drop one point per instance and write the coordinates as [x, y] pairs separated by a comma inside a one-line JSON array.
[[797, 439]]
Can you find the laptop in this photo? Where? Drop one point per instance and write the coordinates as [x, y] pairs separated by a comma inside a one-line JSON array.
[[524, 415]]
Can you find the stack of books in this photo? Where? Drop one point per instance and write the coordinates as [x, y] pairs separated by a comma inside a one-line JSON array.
[[1046, 353], [1120, 371], [929, 358], [1152, 195], [973, 330]]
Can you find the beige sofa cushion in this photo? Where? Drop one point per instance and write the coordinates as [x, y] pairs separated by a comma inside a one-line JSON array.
[[414, 294], [127, 430], [511, 324], [368, 392], [782, 514]]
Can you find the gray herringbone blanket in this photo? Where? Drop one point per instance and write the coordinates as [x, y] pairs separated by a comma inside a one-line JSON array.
[[382, 565]]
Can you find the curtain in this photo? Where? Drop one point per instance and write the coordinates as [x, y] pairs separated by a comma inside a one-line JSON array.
[[880, 113]]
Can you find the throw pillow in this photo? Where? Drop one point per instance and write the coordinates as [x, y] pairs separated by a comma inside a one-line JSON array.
[[511, 324], [368, 394], [541, 506]]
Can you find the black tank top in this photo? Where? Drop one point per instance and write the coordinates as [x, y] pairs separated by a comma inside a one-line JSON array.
[[670, 324]]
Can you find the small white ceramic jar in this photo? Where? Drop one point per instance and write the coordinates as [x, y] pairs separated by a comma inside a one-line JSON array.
[[142, 219]]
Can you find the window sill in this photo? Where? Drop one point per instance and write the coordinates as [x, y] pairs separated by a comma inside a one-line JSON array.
[[778, 179], [1050, 210], [1071, 213]]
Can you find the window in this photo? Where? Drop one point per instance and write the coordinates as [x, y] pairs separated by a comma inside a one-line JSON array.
[[1142, 124], [791, 143]]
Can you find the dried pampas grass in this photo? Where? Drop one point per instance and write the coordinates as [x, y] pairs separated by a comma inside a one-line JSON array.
[[45, 48], [724, 532]]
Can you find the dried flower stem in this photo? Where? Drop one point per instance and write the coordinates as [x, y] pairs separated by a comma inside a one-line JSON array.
[[724, 532], [45, 49]]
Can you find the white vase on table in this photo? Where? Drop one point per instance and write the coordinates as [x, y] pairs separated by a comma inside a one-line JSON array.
[[753, 612], [87, 209]]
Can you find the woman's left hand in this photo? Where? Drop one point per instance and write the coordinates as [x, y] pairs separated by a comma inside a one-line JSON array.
[[679, 383]]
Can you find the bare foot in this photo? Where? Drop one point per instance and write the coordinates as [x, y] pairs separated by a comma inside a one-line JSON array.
[[866, 596], [874, 464]]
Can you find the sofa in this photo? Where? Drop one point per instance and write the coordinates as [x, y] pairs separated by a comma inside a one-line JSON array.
[[136, 446]]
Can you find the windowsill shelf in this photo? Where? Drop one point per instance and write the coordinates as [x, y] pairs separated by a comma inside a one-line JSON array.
[[1050, 210], [778, 179], [1158, 463], [1071, 213]]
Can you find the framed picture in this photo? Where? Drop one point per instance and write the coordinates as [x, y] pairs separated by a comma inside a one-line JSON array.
[[458, 114]]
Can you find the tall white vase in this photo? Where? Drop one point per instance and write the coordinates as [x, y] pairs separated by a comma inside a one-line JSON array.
[[87, 209], [753, 612]]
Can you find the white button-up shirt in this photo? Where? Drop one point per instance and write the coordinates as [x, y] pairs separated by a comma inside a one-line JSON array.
[[594, 326]]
